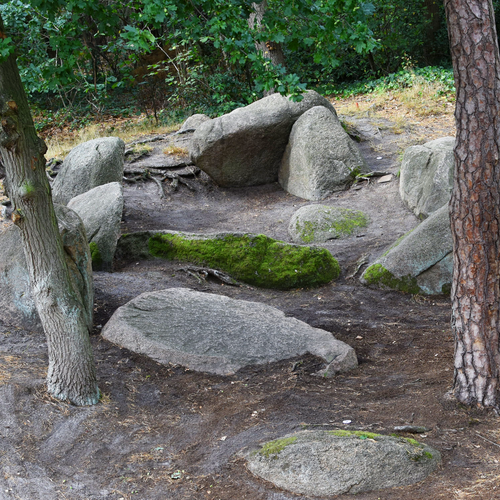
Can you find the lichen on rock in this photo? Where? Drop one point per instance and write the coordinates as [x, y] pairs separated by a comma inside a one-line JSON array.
[[320, 223]]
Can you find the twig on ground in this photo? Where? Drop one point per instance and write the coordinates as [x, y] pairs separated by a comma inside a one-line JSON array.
[[202, 273], [486, 439]]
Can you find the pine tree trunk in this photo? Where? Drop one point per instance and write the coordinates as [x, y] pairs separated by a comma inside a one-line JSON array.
[[66, 322], [475, 203], [269, 50]]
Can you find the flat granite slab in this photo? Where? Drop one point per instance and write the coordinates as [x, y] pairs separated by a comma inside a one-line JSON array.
[[324, 463], [216, 334]]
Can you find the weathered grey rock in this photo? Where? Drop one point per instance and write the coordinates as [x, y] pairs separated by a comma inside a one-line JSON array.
[[101, 212], [192, 123], [421, 262], [362, 129], [325, 463], [426, 178], [217, 334], [245, 147], [87, 166], [16, 302], [320, 157], [320, 223]]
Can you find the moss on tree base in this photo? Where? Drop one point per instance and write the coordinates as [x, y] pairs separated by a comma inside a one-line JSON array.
[[254, 259]]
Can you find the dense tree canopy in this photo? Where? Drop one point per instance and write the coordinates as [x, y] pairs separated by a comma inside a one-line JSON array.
[[204, 52]]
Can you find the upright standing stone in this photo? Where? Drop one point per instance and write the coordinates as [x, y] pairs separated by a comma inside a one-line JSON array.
[[320, 157], [87, 166], [101, 212]]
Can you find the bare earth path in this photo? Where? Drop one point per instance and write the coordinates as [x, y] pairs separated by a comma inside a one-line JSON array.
[[167, 433]]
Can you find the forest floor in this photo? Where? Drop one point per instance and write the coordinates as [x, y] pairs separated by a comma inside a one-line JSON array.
[[164, 432]]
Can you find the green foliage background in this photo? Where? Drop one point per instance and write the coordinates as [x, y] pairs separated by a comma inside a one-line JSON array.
[[171, 57]]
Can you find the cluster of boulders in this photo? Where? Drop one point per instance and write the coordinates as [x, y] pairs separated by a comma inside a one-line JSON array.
[[88, 201], [422, 261], [303, 146], [300, 144]]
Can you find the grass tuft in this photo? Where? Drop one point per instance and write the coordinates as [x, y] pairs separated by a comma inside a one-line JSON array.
[[175, 151]]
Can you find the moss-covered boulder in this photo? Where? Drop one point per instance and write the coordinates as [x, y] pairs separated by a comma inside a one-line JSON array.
[[326, 463], [421, 262], [320, 223], [254, 259]]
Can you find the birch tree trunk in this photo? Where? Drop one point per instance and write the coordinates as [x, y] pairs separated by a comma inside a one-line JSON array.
[[269, 50], [66, 322], [475, 202]]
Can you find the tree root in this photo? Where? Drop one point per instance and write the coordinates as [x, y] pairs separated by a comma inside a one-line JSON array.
[[202, 273]]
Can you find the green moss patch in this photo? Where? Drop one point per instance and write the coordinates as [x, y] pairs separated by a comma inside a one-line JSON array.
[[96, 255], [254, 259], [336, 222], [358, 434], [417, 452], [274, 447], [378, 275]]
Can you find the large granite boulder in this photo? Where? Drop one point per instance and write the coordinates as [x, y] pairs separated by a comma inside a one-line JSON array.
[[87, 166], [252, 258], [320, 223], [326, 463], [16, 301], [216, 334], [101, 212], [426, 178], [420, 262], [362, 129], [320, 157], [245, 147], [192, 123]]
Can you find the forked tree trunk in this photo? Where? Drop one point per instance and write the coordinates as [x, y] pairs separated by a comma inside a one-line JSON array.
[[71, 373], [475, 203], [269, 50]]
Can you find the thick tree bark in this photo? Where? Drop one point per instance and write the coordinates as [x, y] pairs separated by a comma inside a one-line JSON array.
[[269, 50], [475, 203], [65, 319]]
